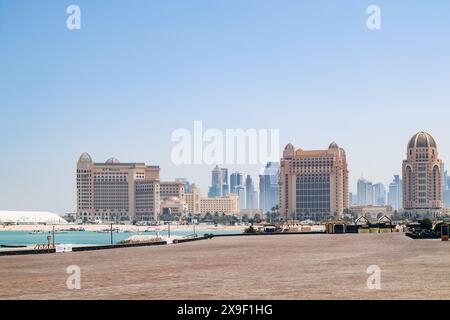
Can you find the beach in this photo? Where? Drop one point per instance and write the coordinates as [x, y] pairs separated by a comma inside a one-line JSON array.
[[243, 267]]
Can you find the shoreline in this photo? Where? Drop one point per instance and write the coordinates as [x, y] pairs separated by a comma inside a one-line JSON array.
[[99, 227]]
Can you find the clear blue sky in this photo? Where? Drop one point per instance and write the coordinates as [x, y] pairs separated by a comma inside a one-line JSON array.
[[137, 70]]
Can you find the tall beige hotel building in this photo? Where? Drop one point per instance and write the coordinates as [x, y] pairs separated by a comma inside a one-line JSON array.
[[114, 191], [313, 183], [422, 177]]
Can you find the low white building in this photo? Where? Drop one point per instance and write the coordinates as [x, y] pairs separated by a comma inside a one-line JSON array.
[[30, 217]]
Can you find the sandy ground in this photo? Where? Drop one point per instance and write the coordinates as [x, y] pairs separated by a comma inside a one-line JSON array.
[[260, 267], [98, 227]]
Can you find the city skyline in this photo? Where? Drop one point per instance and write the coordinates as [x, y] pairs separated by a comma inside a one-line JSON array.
[[133, 74]]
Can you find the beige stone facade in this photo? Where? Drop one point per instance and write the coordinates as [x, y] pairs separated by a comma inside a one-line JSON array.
[[172, 189], [313, 183], [114, 191], [422, 177], [197, 204]]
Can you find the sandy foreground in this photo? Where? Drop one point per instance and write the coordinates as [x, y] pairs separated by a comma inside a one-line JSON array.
[[257, 267], [99, 227]]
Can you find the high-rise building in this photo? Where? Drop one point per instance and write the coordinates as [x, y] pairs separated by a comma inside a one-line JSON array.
[[353, 199], [240, 191], [314, 183], [446, 187], [422, 177], [379, 194], [225, 184], [216, 183], [236, 181], [249, 189], [114, 191], [255, 199], [395, 193], [219, 183], [365, 192], [269, 188]]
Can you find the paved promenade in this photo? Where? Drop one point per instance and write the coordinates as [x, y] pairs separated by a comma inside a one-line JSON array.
[[262, 267]]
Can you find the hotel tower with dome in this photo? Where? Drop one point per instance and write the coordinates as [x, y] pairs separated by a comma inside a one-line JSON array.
[[422, 177]]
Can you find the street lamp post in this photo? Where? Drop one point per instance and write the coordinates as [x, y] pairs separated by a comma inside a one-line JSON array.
[[53, 236]]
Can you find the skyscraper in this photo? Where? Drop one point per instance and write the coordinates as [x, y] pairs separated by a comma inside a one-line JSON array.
[[236, 181], [395, 193], [314, 184], [240, 191], [219, 183], [269, 188], [446, 187], [225, 185], [216, 189], [249, 189], [422, 177], [379, 194], [365, 192]]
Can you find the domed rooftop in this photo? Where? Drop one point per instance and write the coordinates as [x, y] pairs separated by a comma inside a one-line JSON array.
[[85, 157], [112, 161], [422, 140], [333, 145], [289, 146]]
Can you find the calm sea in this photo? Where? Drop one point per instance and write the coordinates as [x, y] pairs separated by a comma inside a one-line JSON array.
[[86, 237]]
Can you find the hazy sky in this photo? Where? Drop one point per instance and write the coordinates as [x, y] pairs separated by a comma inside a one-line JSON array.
[[138, 70]]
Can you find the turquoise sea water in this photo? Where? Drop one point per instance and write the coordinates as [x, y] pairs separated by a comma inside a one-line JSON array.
[[85, 237]]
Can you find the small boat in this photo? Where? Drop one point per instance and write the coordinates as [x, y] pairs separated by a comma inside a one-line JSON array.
[[36, 232]]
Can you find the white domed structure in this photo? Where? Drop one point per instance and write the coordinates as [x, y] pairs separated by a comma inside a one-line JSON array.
[[30, 217]]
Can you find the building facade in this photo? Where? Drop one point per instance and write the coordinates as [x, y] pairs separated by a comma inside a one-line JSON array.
[[314, 183], [395, 193], [365, 192], [114, 191], [422, 177], [196, 204], [249, 193], [219, 183], [379, 194], [269, 188], [236, 181]]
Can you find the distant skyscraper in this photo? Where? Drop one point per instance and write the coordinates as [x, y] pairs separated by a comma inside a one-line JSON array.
[[269, 188], [255, 199], [217, 185], [379, 194], [240, 191], [313, 183], [422, 176], [225, 185], [249, 188], [446, 187], [395, 193], [236, 181], [365, 192]]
